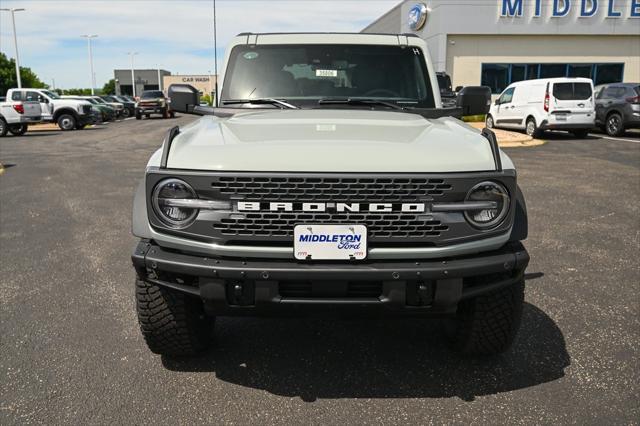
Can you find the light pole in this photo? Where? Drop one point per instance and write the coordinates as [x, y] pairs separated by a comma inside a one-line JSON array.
[[13, 10], [133, 77], [93, 76], [159, 80]]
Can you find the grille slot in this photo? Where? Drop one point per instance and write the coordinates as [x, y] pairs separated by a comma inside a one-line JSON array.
[[382, 189], [311, 289], [281, 224]]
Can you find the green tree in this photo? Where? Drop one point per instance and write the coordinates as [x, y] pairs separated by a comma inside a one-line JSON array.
[[109, 87], [8, 76]]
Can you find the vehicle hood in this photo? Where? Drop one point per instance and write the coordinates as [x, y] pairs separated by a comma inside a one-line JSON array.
[[330, 140]]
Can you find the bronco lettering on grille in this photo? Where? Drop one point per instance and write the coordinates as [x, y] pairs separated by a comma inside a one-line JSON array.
[[252, 206]]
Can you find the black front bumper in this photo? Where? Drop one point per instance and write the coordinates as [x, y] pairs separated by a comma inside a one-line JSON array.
[[86, 119], [151, 110], [271, 287]]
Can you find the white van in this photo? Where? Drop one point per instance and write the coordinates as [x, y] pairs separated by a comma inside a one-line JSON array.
[[545, 104]]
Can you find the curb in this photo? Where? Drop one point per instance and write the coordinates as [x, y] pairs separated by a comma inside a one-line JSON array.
[[509, 139]]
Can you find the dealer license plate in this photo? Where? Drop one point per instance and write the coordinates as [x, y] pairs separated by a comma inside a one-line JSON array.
[[561, 117], [330, 242]]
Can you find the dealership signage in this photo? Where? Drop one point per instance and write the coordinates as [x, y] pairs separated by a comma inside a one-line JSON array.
[[560, 8], [195, 79]]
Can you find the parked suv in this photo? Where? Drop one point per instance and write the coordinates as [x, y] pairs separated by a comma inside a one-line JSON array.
[[545, 104], [618, 107], [69, 114], [329, 180], [153, 102], [129, 106]]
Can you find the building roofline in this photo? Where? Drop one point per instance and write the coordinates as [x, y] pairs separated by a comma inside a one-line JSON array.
[[393, 9]]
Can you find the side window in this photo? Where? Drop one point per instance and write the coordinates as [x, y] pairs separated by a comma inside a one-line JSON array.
[[610, 93], [507, 96], [32, 96], [16, 95]]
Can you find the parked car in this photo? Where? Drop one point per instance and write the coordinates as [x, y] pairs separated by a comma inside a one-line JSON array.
[[345, 200], [101, 112], [69, 114], [15, 116], [447, 95], [116, 104], [617, 107], [153, 102], [129, 105], [545, 104]]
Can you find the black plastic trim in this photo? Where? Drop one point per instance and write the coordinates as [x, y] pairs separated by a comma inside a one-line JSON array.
[[166, 146], [495, 149]]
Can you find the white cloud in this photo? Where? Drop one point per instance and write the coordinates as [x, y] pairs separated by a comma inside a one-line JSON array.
[[179, 35]]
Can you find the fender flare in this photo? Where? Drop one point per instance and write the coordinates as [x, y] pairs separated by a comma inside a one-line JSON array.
[[139, 219], [520, 228], [64, 110]]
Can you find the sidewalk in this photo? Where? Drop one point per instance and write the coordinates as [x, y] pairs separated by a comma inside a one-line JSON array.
[[508, 139]]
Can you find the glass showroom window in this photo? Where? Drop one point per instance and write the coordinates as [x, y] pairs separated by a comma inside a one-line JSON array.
[[499, 76]]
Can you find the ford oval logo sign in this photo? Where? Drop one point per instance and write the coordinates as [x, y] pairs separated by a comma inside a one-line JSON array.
[[417, 16]]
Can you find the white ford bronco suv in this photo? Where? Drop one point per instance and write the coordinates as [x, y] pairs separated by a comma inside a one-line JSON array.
[[329, 180]]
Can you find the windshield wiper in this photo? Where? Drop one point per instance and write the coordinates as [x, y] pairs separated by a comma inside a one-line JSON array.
[[357, 101], [260, 101]]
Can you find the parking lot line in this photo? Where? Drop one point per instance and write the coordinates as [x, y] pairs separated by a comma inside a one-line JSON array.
[[616, 139]]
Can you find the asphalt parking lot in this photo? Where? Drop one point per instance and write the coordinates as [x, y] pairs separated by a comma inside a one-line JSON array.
[[71, 350]]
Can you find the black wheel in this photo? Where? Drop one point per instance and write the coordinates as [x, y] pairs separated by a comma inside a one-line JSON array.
[[172, 323], [580, 134], [488, 324], [126, 113], [18, 129], [614, 125], [165, 113], [138, 116], [532, 128], [67, 122], [489, 121], [3, 127], [173, 114]]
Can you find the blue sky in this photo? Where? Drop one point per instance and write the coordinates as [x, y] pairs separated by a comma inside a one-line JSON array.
[[178, 35]]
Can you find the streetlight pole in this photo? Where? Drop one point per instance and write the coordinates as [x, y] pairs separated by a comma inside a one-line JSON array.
[[133, 77], [13, 10], [159, 81], [93, 76]]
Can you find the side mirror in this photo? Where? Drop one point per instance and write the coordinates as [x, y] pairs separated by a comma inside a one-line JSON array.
[[184, 98], [459, 88], [497, 102], [474, 100]]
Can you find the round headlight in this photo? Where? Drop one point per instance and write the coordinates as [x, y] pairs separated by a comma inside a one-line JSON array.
[[491, 192], [170, 214]]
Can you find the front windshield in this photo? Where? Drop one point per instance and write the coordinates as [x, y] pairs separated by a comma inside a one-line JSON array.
[[99, 100], [121, 99], [304, 74], [91, 101], [151, 94], [52, 95]]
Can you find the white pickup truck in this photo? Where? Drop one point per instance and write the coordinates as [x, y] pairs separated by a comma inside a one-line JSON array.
[[15, 116], [69, 114]]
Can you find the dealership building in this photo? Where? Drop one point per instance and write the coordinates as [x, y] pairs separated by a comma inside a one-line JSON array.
[[146, 79], [497, 42]]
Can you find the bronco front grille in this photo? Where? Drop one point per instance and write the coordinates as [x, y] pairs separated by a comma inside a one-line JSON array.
[[352, 189], [281, 224]]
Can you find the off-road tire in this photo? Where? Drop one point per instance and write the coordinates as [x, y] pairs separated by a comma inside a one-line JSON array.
[[18, 129], [489, 122], [126, 113], [614, 126], [66, 122], [165, 114], [3, 127], [138, 116], [580, 134], [173, 114], [172, 323], [488, 324]]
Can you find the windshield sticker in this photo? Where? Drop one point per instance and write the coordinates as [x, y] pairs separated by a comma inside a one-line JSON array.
[[250, 55], [326, 73]]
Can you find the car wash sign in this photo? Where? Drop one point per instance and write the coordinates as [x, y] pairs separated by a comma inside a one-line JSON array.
[[560, 8]]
